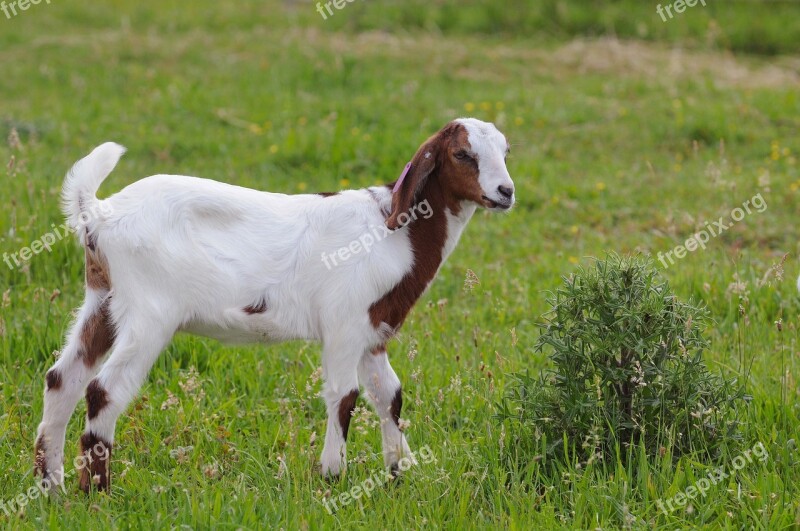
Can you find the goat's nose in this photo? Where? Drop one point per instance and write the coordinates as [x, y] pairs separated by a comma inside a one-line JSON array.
[[505, 191]]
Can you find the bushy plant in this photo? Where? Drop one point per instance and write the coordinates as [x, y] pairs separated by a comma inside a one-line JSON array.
[[627, 369]]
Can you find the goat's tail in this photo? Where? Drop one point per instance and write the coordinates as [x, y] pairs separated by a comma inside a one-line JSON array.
[[79, 196]]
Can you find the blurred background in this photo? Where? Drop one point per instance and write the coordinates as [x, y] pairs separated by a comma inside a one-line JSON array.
[[630, 130]]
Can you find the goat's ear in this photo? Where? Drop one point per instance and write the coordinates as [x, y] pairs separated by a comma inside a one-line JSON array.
[[422, 165]]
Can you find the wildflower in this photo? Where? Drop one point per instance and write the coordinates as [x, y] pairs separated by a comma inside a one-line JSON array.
[[471, 280]]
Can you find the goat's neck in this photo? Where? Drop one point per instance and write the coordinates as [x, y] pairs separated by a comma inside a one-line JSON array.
[[439, 232]]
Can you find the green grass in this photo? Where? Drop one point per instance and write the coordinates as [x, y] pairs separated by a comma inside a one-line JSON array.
[[617, 146]]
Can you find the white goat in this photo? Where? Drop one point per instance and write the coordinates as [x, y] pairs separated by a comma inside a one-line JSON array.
[[174, 254]]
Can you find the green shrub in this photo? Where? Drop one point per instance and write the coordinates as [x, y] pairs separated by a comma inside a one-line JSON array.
[[627, 369]]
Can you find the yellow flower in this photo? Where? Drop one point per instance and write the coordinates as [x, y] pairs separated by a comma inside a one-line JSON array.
[[499, 105], [793, 187], [344, 183], [255, 129], [301, 186], [486, 106], [574, 229], [354, 131], [572, 260], [600, 186], [469, 106], [677, 167], [518, 120], [554, 199], [273, 149]]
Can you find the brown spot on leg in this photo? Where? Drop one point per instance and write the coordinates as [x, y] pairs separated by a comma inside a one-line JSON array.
[[39, 461], [346, 406], [257, 307], [96, 399], [97, 276], [53, 380], [380, 349], [95, 463], [97, 335], [397, 406]]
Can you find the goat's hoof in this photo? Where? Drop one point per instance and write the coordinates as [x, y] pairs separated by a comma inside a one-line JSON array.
[[100, 483], [332, 474], [95, 463]]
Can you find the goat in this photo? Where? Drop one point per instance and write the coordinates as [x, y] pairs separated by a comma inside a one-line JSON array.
[[173, 253]]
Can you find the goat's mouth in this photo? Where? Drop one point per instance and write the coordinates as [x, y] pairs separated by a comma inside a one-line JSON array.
[[496, 205]]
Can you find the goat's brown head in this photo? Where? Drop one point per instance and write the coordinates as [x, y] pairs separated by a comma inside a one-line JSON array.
[[467, 157]]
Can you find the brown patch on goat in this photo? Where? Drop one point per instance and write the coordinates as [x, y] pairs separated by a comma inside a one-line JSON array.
[[97, 276], [39, 460], [327, 194], [97, 335], [437, 177], [96, 399], [397, 406], [380, 349], [53, 380], [257, 307], [96, 461], [459, 178], [346, 406]]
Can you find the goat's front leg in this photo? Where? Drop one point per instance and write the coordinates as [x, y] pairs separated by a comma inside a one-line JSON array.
[[383, 390], [341, 391]]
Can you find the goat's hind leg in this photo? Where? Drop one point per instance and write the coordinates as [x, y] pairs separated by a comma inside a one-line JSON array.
[[109, 393], [87, 342]]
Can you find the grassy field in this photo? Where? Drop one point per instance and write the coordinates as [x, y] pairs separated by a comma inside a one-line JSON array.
[[628, 134]]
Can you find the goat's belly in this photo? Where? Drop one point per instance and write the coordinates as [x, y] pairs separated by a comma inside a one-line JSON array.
[[250, 330]]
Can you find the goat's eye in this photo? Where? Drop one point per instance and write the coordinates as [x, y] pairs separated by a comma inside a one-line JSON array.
[[463, 155]]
